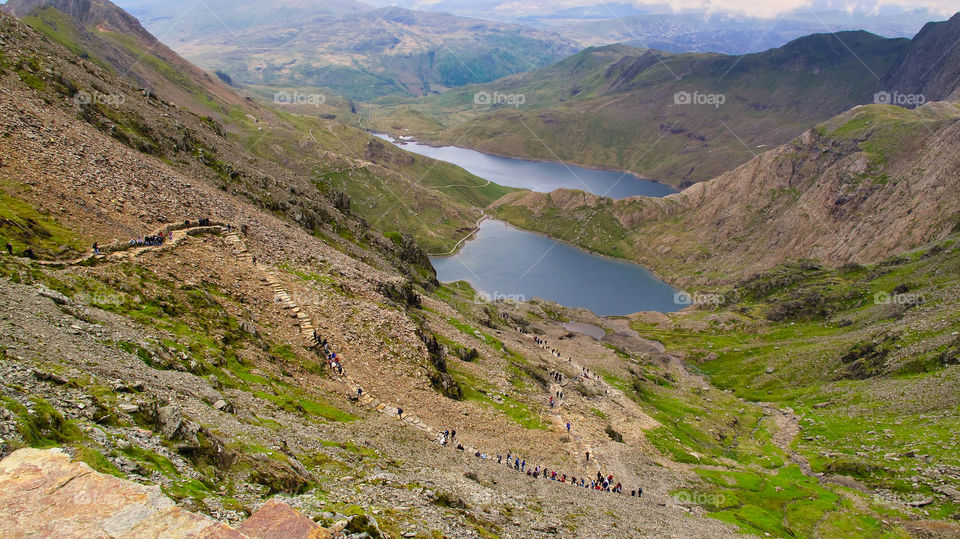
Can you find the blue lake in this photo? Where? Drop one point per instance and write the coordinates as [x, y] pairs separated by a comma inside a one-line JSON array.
[[537, 175], [504, 262]]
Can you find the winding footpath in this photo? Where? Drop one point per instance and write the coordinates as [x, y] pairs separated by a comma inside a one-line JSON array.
[[303, 320]]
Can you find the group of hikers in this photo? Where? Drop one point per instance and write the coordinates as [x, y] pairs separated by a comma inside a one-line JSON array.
[[449, 437], [333, 360], [146, 241], [600, 482]]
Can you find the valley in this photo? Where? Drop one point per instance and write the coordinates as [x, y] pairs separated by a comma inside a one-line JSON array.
[[229, 315]]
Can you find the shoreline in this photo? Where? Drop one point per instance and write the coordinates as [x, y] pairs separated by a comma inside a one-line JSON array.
[[400, 143], [463, 241], [459, 245]]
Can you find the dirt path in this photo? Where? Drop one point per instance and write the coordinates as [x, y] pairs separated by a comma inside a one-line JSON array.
[[476, 227], [788, 428]]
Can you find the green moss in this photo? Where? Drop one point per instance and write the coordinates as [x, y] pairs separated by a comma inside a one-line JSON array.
[[42, 425], [517, 411], [307, 407], [97, 461], [151, 460], [22, 225]]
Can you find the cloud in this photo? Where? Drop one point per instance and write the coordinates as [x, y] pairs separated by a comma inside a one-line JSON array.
[[751, 8]]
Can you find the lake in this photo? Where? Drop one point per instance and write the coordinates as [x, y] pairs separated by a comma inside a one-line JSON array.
[[538, 175], [504, 262]]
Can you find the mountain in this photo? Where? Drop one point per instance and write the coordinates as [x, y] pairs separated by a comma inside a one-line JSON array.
[[191, 367], [351, 51], [722, 29], [675, 118], [303, 137], [932, 65], [108, 35], [873, 181], [799, 405], [730, 34]]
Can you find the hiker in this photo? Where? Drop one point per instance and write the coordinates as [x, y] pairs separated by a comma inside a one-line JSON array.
[[9, 249], [359, 392], [588, 456], [639, 492], [453, 433], [254, 261], [28, 252], [523, 465], [400, 414], [568, 426], [96, 248]]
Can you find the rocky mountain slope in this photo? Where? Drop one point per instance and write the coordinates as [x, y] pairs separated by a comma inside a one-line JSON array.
[[110, 36], [932, 66], [873, 181], [191, 365], [394, 191], [681, 118]]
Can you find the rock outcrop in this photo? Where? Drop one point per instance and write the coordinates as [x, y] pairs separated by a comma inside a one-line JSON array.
[[45, 493]]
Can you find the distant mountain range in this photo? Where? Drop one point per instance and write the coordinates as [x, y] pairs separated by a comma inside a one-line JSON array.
[[347, 49], [619, 107], [363, 51], [660, 27]]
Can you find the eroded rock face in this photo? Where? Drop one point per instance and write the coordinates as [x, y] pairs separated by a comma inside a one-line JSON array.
[[43, 493]]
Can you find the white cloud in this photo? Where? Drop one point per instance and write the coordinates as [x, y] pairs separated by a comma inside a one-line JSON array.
[[750, 8]]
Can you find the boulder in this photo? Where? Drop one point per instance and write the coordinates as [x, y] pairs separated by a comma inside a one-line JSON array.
[[44, 494], [54, 296], [277, 520]]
